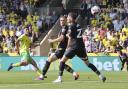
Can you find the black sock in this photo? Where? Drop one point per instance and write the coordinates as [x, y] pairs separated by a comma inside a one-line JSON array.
[[61, 68], [46, 67], [68, 68], [127, 64], [123, 62], [91, 66]]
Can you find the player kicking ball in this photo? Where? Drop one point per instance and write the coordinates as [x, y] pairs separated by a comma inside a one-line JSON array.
[[23, 44], [62, 39], [75, 46]]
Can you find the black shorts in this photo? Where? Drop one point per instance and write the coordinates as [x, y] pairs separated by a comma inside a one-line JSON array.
[[81, 52], [59, 53]]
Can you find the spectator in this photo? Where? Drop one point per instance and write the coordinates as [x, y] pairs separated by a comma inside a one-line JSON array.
[[23, 10], [126, 21], [123, 36], [102, 32], [109, 29], [118, 47], [64, 3], [1, 49], [39, 25], [108, 50], [94, 46], [113, 13], [87, 44], [118, 24], [18, 32], [125, 2], [110, 25], [54, 17], [83, 9], [14, 18], [125, 45], [100, 45]]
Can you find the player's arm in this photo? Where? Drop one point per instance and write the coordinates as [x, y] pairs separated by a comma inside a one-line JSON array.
[[17, 46], [69, 41], [59, 39], [68, 35]]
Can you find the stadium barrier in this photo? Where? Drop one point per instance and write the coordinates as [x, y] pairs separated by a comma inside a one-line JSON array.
[[103, 63]]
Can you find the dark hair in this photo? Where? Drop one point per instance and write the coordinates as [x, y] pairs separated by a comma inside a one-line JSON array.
[[73, 15]]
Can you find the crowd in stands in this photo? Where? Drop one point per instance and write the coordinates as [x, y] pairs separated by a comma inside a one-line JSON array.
[[108, 30], [15, 16]]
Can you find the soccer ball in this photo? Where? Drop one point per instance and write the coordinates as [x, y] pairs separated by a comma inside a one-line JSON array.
[[95, 10]]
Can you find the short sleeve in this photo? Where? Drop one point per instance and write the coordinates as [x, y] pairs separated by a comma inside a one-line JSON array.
[[21, 37]]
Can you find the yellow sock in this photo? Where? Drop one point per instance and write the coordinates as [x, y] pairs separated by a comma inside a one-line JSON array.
[[16, 65], [38, 72]]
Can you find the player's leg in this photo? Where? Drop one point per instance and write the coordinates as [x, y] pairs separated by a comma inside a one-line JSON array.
[[54, 56], [23, 63], [32, 62], [51, 58], [59, 54], [94, 69], [127, 63], [82, 54], [69, 54], [123, 63], [70, 70], [61, 69]]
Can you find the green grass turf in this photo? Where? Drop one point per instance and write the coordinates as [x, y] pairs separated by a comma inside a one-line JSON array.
[[25, 80]]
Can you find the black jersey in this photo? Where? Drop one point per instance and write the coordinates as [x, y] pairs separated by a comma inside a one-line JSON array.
[[75, 32], [63, 43]]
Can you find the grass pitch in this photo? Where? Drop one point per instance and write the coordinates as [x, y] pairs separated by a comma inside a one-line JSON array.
[[25, 80]]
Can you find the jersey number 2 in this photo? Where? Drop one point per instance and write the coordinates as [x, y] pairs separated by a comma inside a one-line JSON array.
[[79, 35]]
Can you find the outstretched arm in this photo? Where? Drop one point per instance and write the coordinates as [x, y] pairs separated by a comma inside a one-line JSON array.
[[17, 46], [59, 39]]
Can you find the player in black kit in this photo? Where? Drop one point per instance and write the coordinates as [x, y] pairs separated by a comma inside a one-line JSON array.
[[75, 47], [62, 39], [123, 57]]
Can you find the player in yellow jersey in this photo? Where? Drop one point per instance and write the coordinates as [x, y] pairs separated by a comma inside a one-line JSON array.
[[23, 44]]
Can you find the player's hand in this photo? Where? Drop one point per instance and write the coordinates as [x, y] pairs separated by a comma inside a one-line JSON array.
[[50, 40], [67, 35], [68, 48]]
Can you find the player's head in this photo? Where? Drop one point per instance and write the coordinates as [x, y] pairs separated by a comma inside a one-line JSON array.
[[71, 18], [63, 20], [26, 31]]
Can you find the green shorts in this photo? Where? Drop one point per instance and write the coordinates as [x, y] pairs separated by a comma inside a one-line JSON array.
[[26, 56]]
